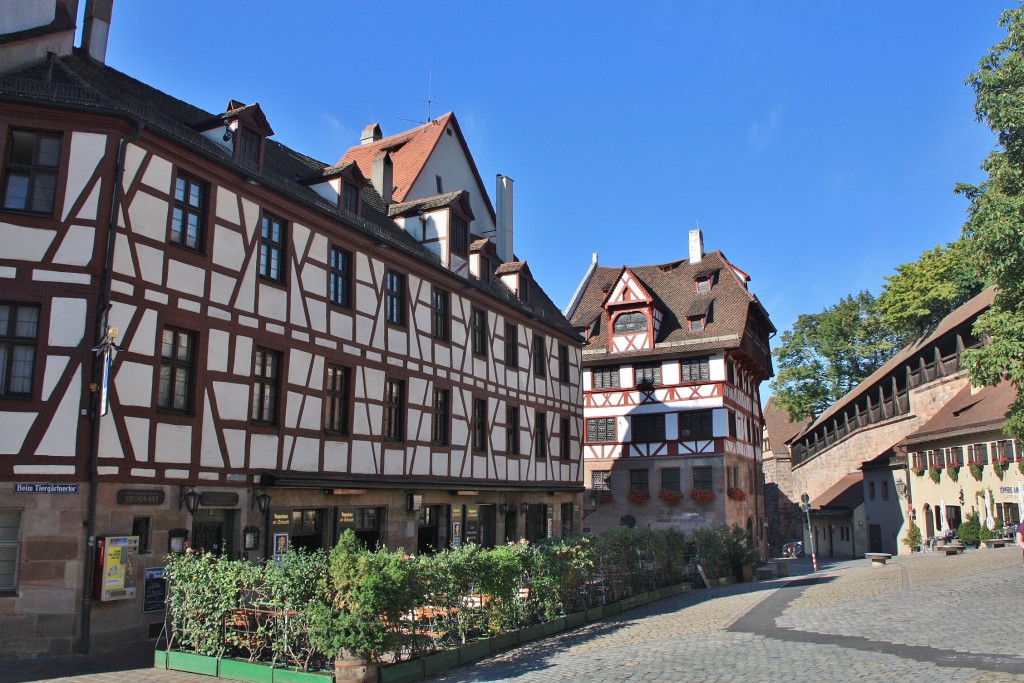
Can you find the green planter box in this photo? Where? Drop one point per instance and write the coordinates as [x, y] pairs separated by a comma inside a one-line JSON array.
[[531, 633], [554, 626], [726, 580], [160, 659], [575, 620], [293, 676], [402, 673], [441, 661], [474, 651], [255, 672], [595, 613], [191, 663], [503, 641], [612, 608], [627, 603]]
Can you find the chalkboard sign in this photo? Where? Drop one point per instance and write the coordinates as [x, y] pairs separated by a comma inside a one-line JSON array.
[[155, 596]]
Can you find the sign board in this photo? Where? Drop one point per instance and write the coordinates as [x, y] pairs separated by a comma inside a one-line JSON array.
[[46, 488], [140, 497], [457, 535], [218, 499], [280, 545], [115, 558], [154, 597]]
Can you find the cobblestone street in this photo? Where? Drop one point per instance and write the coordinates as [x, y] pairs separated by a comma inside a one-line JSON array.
[[924, 617]]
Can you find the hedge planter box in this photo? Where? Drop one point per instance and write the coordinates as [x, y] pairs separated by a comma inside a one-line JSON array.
[[402, 673], [440, 662], [595, 613], [554, 626], [254, 672], [293, 676], [613, 608], [531, 633], [503, 641], [192, 663], [575, 620], [474, 651]]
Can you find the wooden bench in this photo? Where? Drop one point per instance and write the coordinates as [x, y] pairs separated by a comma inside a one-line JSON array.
[[878, 559], [949, 549], [995, 543]]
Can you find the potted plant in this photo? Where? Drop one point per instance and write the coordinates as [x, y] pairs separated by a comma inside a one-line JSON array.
[[917, 470], [638, 496], [976, 470], [670, 497], [999, 465], [736, 493], [934, 472], [969, 530], [913, 538], [953, 472], [702, 496]]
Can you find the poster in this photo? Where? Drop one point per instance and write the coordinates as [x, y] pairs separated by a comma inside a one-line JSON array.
[[116, 557], [280, 545]]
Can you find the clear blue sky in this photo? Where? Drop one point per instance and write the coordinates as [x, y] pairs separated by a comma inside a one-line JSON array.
[[816, 142]]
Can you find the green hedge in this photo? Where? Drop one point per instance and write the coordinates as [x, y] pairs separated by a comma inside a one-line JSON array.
[[307, 608]]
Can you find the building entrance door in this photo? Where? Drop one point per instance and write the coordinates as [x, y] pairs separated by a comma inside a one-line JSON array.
[[874, 538], [212, 531]]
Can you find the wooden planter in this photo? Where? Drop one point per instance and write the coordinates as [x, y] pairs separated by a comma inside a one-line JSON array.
[[254, 672]]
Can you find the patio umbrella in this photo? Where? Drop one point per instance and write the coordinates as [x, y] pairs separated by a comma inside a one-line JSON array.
[[944, 528], [1020, 500], [990, 522]]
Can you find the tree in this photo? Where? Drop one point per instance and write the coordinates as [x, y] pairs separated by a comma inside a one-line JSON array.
[[827, 354], [993, 228], [923, 292]]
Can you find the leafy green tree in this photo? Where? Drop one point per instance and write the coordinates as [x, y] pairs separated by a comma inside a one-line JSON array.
[[827, 354], [923, 292], [996, 216]]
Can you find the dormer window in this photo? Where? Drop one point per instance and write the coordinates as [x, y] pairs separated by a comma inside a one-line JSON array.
[[697, 323], [248, 145], [704, 283], [630, 322], [350, 197], [460, 236]]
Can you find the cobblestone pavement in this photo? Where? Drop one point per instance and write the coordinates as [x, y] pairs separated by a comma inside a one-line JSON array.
[[922, 618]]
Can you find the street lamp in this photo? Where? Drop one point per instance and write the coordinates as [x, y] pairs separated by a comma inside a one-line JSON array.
[[901, 488], [189, 498]]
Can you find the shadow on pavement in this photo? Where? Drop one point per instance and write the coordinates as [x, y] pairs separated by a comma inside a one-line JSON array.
[[129, 657]]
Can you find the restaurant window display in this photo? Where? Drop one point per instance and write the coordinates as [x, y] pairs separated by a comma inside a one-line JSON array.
[[432, 529], [297, 529], [479, 525], [368, 524]]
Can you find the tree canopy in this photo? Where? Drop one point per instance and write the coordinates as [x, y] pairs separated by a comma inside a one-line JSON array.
[[827, 354], [996, 215]]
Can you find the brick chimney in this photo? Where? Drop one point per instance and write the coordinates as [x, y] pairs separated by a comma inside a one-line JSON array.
[[382, 174], [503, 214]]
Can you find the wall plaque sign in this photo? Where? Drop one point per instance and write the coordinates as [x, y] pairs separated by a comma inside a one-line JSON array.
[[140, 497], [218, 498], [46, 488]]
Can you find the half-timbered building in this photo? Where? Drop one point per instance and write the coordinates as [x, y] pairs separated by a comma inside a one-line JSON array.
[[674, 358], [209, 338]]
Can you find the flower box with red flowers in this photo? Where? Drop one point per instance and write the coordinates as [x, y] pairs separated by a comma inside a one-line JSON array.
[[670, 497], [918, 470], [638, 496], [605, 497], [736, 493], [702, 496]]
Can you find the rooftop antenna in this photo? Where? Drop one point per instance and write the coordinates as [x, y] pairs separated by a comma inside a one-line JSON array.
[[430, 100]]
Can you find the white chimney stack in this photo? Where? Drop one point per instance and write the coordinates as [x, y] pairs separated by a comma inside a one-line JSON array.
[[696, 246], [96, 28], [503, 215]]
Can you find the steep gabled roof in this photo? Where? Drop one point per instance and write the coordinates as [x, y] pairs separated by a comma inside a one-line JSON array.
[[779, 427], [673, 290], [626, 286], [410, 152], [969, 412], [431, 203]]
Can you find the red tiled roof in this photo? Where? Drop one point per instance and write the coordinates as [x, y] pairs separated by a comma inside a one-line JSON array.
[[984, 410], [673, 290]]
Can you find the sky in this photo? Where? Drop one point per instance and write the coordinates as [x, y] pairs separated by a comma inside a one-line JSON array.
[[815, 143]]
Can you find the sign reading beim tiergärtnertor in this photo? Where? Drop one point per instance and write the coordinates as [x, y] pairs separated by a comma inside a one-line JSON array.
[[46, 488]]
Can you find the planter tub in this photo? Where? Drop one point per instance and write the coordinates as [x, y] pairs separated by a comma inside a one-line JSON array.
[[474, 651], [441, 661], [575, 619], [503, 641], [160, 659], [402, 673], [293, 676], [628, 603], [192, 663], [531, 633], [255, 672], [595, 613], [554, 626], [612, 608]]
